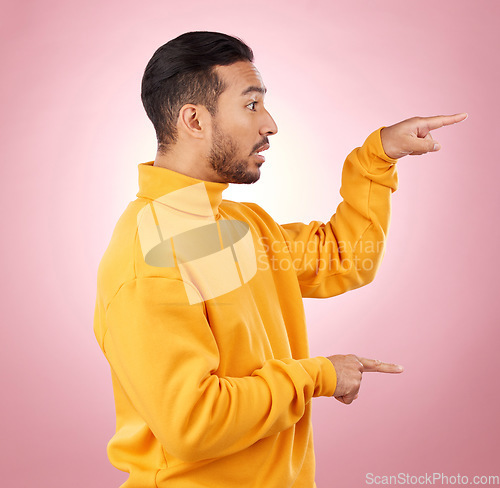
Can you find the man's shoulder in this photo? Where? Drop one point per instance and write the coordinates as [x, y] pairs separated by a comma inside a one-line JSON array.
[[262, 223], [249, 209], [117, 264]]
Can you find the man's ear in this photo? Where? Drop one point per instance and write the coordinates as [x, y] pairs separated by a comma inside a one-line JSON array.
[[193, 121]]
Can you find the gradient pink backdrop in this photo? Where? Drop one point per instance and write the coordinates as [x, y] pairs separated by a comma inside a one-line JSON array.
[[73, 131]]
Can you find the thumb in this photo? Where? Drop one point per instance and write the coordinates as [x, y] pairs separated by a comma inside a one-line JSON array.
[[423, 145]]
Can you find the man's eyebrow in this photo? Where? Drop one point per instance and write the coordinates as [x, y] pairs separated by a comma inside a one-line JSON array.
[[251, 89]]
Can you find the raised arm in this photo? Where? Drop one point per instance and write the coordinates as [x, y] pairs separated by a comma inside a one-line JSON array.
[[346, 252]]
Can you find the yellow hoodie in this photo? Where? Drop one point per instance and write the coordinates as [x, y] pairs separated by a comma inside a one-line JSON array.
[[199, 313]]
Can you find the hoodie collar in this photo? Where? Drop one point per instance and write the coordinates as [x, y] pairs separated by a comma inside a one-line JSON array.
[[156, 182]]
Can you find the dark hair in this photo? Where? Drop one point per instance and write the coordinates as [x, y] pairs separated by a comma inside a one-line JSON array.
[[183, 71]]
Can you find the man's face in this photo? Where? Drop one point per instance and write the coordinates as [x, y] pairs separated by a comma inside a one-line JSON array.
[[241, 126]]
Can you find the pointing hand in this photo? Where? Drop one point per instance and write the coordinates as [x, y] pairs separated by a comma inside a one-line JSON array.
[[349, 371], [413, 137]]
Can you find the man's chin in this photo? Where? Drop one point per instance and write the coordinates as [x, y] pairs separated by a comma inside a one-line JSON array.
[[247, 179], [242, 173]]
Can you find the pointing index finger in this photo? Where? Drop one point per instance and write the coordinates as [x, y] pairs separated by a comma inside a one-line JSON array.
[[441, 120], [375, 365]]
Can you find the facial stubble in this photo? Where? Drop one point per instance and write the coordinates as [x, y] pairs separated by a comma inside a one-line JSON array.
[[224, 160]]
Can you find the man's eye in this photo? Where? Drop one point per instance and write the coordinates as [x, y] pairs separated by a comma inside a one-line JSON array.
[[251, 106]]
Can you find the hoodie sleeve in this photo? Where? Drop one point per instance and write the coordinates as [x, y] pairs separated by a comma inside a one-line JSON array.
[[165, 357], [345, 253]]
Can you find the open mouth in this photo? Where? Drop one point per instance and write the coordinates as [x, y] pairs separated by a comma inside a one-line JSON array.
[[261, 149]]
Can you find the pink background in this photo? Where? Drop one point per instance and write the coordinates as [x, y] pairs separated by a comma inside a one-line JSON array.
[[73, 131]]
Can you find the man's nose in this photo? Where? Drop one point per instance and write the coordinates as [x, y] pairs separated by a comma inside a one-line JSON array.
[[269, 127]]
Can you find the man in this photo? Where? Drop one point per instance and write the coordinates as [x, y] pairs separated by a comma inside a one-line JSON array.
[[199, 302]]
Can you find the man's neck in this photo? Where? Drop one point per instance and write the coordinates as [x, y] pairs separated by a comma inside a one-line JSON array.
[[186, 162]]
